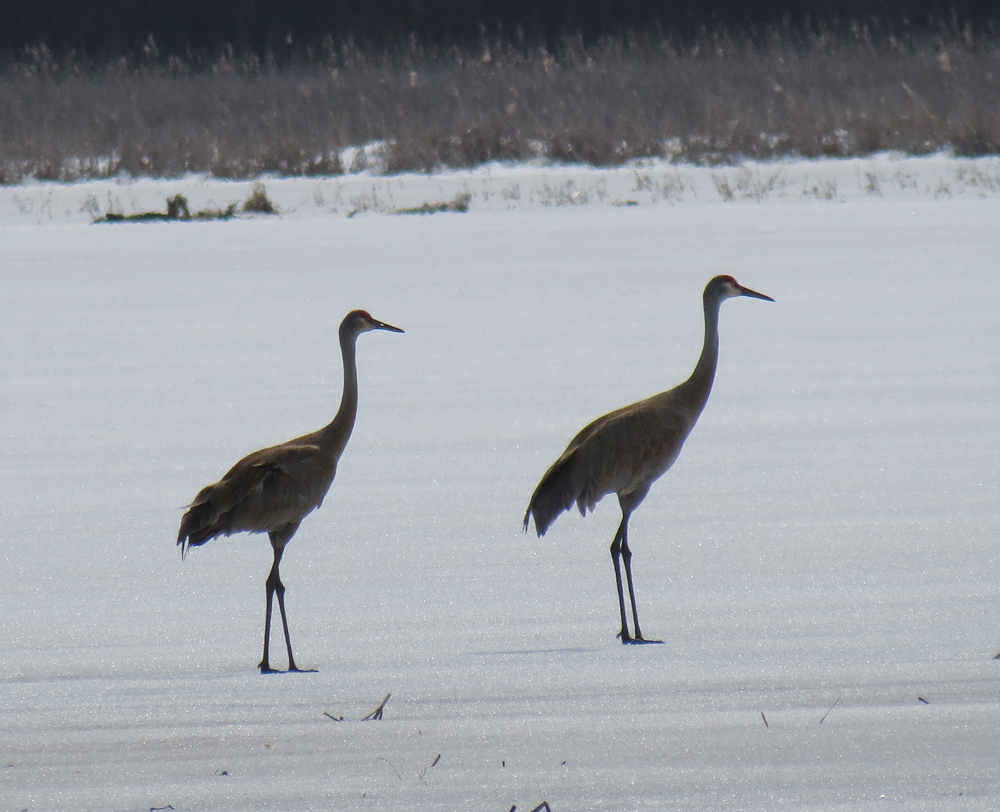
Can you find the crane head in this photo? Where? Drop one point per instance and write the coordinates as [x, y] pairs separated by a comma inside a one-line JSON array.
[[360, 321], [721, 288]]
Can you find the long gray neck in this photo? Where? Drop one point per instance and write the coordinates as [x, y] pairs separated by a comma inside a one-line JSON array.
[[700, 382], [338, 432]]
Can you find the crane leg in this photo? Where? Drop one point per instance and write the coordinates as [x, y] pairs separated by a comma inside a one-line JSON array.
[[627, 558], [616, 554], [275, 587], [272, 584], [280, 592]]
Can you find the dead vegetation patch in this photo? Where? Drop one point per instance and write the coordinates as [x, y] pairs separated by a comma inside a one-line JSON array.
[[715, 100], [459, 204], [177, 210]]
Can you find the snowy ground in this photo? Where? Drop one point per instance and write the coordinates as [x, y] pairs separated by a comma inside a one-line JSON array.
[[822, 562], [500, 187]]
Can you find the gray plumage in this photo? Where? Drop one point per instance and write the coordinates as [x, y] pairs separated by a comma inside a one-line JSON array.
[[272, 490], [627, 450]]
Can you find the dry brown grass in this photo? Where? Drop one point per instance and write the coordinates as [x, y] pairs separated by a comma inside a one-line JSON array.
[[717, 100]]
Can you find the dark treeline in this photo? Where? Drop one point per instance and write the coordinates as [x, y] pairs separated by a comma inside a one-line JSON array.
[[288, 29]]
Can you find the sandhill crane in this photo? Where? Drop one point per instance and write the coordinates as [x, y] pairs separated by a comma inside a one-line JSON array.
[[272, 490], [627, 450]]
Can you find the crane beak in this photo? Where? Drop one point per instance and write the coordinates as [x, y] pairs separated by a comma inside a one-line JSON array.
[[753, 294], [381, 325]]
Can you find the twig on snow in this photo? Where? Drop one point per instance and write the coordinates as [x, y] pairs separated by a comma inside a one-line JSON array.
[[835, 701], [383, 758], [377, 713], [423, 772]]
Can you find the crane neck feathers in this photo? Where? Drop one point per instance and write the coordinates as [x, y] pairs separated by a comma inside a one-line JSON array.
[[700, 382], [338, 431]]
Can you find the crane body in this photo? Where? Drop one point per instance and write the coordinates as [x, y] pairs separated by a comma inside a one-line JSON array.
[[627, 450], [272, 490]]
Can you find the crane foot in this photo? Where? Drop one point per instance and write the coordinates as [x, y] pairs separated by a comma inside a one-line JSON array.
[[628, 640], [289, 671]]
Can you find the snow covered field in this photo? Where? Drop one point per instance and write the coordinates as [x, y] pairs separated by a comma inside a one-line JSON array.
[[822, 562]]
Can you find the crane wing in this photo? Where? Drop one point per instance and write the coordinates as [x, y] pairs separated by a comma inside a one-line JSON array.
[[622, 452], [268, 489]]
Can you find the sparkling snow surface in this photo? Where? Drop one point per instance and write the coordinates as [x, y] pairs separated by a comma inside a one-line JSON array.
[[822, 562]]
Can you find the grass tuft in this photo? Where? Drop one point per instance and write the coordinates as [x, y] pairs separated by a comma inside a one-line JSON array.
[[259, 202]]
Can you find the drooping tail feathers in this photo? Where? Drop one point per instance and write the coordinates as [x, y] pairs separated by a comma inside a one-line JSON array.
[[198, 525], [562, 485]]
